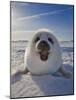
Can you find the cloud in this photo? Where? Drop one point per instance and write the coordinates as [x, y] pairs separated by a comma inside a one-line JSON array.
[[41, 14]]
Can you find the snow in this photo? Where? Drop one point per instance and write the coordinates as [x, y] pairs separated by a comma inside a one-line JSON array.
[[27, 85]]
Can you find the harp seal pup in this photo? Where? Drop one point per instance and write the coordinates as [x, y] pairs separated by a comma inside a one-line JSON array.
[[43, 55]]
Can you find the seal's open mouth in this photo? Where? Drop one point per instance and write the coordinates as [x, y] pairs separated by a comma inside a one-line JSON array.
[[44, 55]]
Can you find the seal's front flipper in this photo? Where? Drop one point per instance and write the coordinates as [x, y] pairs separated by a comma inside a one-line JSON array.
[[64, 73], [25, 71], [18, 72]]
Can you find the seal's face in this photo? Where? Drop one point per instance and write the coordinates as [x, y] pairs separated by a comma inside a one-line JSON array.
[[43, 45]]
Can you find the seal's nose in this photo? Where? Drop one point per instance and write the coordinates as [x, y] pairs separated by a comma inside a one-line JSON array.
[[43, 45]]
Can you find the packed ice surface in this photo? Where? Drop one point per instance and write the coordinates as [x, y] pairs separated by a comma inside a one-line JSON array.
[[27, 85]]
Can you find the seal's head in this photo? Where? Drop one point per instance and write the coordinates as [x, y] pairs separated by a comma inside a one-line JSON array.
[[43, 44]]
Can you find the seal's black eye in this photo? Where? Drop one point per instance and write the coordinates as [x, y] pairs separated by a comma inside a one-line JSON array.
[[37, 39], [50, 40]]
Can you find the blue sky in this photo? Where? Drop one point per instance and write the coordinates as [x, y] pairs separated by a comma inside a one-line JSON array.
[[29, 17]]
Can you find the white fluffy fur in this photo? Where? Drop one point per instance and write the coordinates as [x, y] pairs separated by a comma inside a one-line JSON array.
[[32, 60]]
